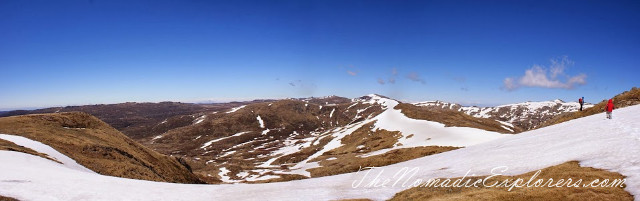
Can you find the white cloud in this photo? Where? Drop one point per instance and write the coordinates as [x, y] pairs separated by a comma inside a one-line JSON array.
[[537, 76], [352, 73], [559, 64]]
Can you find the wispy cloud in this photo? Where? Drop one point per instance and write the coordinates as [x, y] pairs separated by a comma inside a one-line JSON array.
[[352, 73], [539, 76], [413, 76], [381, 81], [394, 73]]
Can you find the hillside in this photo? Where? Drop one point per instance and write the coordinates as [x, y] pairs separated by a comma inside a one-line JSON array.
[[96, 146], [625, 99], [609, 146], [299, 138]]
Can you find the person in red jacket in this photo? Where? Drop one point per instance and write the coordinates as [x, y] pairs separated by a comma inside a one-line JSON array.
[[609, 108], [581, 101]]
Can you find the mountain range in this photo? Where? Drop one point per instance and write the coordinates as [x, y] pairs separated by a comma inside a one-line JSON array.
[[279, 140], [64, 155]]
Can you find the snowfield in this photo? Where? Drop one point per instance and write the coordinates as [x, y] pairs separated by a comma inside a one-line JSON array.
[[417, 133], [613, 145]]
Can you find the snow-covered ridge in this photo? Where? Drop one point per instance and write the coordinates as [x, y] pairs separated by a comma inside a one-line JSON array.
[[375, 99], [526, 115]]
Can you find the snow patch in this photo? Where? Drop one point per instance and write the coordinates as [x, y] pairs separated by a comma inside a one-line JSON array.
[[200, 119], [260, 121], [223, 175], [235, 109], [222, 138]]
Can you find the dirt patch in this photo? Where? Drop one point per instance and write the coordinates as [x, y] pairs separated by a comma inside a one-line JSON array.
[[566, 170]]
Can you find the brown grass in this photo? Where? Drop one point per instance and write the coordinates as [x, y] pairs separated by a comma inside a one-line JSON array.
[[350, 162], [3, 198], [97, 146], [627, 98], [563, 171], [10, 146], [451, 118], [365, 136]]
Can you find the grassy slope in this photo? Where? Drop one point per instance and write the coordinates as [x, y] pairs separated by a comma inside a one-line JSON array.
[[451, 118], [97, 146], [627, 98], [563, 171]]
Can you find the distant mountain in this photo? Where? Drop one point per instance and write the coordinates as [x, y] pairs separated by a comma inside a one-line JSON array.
[[139, 120], [520, 116]]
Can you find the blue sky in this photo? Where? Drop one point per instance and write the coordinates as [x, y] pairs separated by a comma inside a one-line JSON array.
[[471, 52]]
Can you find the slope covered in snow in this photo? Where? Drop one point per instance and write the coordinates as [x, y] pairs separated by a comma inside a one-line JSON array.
[[418, 133], [594, 141], [527, 115], [45, 149]]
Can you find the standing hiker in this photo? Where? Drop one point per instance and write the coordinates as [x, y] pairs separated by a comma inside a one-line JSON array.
[[581, 101], [609, 108]]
